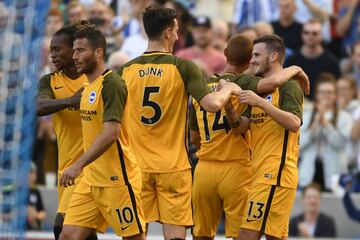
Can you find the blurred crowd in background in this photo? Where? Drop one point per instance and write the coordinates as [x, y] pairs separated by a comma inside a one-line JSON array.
[[321, 36]]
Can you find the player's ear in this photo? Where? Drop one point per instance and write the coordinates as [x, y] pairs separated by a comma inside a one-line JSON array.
[[99, 53], [226, 52], [168, 32], [274, 56]]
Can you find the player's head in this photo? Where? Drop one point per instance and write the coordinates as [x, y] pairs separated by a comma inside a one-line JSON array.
[[61, 47], [311, 197], [89, 49], [160, 24], [268, 51], [238, 51]]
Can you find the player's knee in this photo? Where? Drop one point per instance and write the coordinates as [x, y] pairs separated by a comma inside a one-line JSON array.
[[140, 236], [92, 237], [249, 235], [65, 235]]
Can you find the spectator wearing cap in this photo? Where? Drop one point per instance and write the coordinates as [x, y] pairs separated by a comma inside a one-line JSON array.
[[35, 207], [209, 59]]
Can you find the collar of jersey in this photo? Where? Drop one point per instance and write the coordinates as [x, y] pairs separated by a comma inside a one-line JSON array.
[[106, 72], [155, 53]]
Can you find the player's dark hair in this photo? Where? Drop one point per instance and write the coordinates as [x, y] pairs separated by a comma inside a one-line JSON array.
[[273, 44], [238, 51], [156, 20], [70, 30], [315, 186], [94, 36]]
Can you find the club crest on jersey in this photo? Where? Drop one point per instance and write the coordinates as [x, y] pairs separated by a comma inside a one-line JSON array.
[[92, 97], [268, 98]]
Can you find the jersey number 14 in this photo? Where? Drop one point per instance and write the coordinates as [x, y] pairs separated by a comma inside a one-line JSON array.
[[217, 125]]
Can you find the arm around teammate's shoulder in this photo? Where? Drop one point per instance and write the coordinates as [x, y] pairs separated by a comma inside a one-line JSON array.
[[278, 79], [213, 102], [289, 113], [46, 103], [196, 85]]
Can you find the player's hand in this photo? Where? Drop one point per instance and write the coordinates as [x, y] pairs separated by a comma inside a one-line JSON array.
[[304, 82], [250, 98], [46, 129], [221, 84], [74, 100], [69, 175]]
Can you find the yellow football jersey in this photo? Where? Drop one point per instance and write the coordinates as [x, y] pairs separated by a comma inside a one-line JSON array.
[[274, 149], [104, 100], [218, 142], [67, 122], [158, 86]]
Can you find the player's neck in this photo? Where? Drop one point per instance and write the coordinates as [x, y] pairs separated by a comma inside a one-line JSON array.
[[274, 69], [71, 73], [97, 71], [157, 46], [233, 69]]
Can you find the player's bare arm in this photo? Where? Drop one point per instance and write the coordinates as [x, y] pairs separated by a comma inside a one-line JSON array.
[[195, 138], [102, 143], [287, 120], [268, 84], [214, 101], [238, 124], [46, 105]]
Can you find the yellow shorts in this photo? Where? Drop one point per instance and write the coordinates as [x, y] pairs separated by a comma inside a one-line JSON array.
[[64, 194], [93, 207], [167, 197], [218, 187], [268, 209]]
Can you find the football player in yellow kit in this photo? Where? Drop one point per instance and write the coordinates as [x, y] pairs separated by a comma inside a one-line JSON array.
[[59, 94], [275, 121], [109, 191], [223, 143], [159, 85]]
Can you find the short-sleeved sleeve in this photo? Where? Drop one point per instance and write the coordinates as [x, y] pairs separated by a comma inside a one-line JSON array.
[[291, 98], [247, 82], [247, 112], [193, 124], [194, 81], [114, 94], [45, 87]]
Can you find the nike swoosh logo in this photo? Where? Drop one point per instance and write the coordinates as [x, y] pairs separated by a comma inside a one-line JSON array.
[[249, 220], [56, 88], [123, 228]]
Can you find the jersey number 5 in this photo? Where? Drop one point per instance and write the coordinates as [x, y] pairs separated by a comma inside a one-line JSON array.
[[154, 105], [216, 125]]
